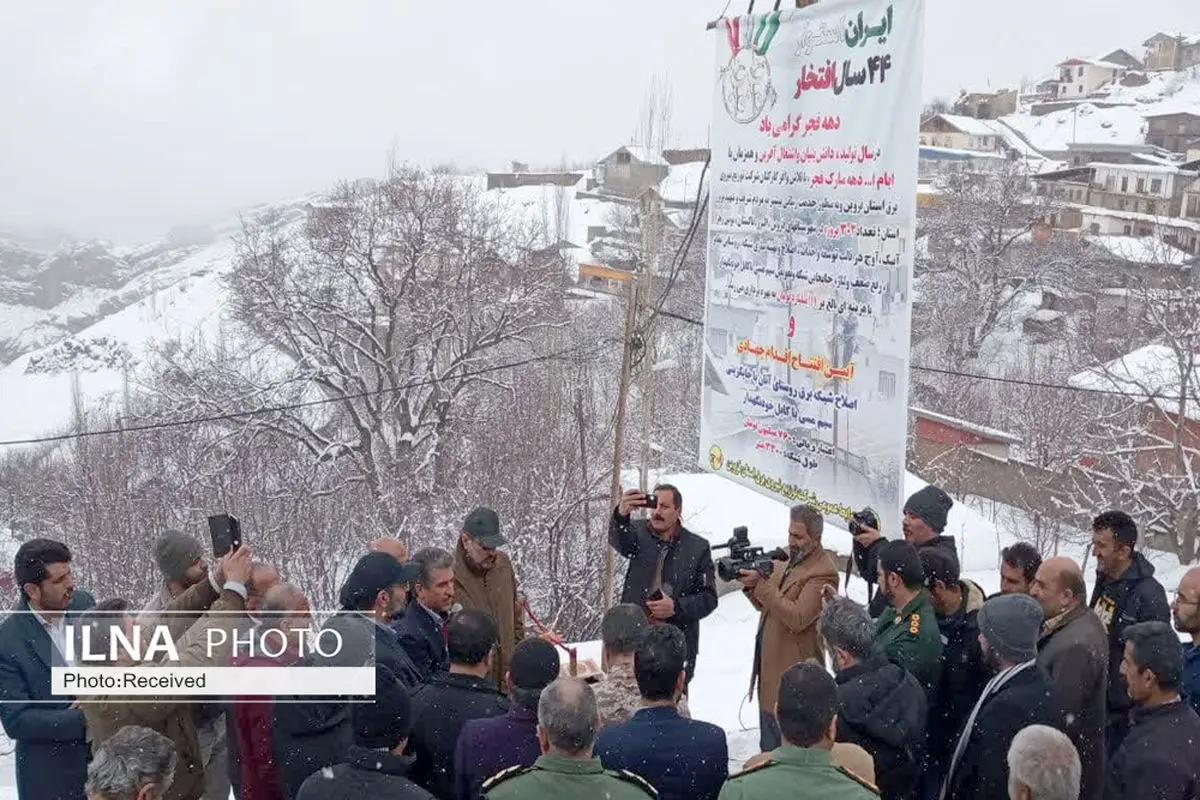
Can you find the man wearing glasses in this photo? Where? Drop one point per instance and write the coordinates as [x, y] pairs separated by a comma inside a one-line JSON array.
[[1185, 610], [484, 580]]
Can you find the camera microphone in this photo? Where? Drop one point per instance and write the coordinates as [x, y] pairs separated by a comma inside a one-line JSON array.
[[779, 554]]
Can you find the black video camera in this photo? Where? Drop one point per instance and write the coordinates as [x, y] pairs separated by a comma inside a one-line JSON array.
[[745, 556], [861, 520]]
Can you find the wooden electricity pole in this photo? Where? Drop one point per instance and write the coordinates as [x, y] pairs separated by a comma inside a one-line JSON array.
[[650, 215], [631, 304]]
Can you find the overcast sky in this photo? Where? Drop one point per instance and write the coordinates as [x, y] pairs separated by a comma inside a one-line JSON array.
[[121, 118]]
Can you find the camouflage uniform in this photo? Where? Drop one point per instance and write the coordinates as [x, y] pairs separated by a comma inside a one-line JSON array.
[[617, 696]]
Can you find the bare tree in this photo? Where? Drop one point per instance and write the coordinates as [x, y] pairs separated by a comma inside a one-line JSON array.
[[390, 300], [1144, 439], [654, 119]]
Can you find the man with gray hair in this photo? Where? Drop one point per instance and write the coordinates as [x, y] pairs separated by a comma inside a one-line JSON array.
[[881, 708], [617, 695], [568, 722], [1043, 765], [422, 629], [135, 763]]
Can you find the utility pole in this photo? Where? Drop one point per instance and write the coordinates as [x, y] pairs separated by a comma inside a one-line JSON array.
[[631, 304], [651, 213], [650, 208]]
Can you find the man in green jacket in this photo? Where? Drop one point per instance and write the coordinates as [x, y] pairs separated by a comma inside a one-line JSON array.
[[907, 631], [568, 721], [803, 767]]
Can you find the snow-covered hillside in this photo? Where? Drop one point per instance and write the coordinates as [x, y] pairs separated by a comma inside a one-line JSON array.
[[1115, 114]]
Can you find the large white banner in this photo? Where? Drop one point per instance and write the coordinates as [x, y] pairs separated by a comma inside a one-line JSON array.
[[813, 202]]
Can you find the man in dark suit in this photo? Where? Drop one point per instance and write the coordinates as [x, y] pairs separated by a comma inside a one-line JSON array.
[[670, 568], [683, 759], [421, 631], [48, 729]]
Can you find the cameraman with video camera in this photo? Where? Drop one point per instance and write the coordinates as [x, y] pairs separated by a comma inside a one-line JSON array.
[[670, 568], [788, 593]]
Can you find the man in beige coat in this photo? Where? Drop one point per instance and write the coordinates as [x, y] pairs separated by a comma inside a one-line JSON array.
[[484, 580], [790, 602]]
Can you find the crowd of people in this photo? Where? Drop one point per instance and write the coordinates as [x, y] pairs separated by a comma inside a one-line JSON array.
[[930, 691]]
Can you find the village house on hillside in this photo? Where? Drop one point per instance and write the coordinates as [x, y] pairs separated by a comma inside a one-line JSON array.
[[1080, 77], [630, 170], [960, 133], [1173, 130], [987, 105], [1171, 52]]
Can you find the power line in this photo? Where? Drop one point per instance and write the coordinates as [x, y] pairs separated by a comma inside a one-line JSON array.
[[991, 378], [233, 415]]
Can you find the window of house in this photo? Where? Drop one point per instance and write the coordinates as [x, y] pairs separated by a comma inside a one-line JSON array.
[[1080, 72], [1081, 88], [1141, 185], [1128, 230], [1124, 185], [1156, 185], [887, 384], [1193, 206], [623, 158]]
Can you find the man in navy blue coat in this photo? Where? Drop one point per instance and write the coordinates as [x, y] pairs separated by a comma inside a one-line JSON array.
[[683, 759], [49, 731], [422, 629]]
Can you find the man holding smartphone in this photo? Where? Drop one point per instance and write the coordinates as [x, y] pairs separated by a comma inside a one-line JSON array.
[[671, 571]]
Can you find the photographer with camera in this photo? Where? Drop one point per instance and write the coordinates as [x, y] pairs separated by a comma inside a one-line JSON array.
[[670, 571], [925, 516], [788, 593]]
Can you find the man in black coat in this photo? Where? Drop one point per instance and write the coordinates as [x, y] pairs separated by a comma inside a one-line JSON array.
[[49, 731], [1125, 593], [375, 765], [1073, 649], [371, 598], [964, 672], [421, 630], [670, 568], [1159, 759], [882, 708], [1020, 694], [444, 705], [925, 515]]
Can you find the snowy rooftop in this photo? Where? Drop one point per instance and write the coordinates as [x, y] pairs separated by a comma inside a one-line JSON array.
[[1092, 62], [970, 125], [682, 184], [1150, 169], [1167, 222], [1149, 372], [1144, 250], [928, 151], [1084, 123], [971, 427], [643, 154]]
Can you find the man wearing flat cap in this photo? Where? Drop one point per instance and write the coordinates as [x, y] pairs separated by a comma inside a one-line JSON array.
[[484, 580]]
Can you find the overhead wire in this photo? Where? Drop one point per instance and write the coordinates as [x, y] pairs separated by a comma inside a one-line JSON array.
[[254, 412], [992, 378]]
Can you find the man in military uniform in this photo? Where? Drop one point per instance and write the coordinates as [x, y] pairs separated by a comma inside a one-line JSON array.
[[907, 631], [568, 722], [803, 767]]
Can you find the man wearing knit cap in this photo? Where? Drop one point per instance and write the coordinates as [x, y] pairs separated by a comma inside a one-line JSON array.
[[907, 633], [925, 516], [1018, 695], [490, 745], [189, 589]]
